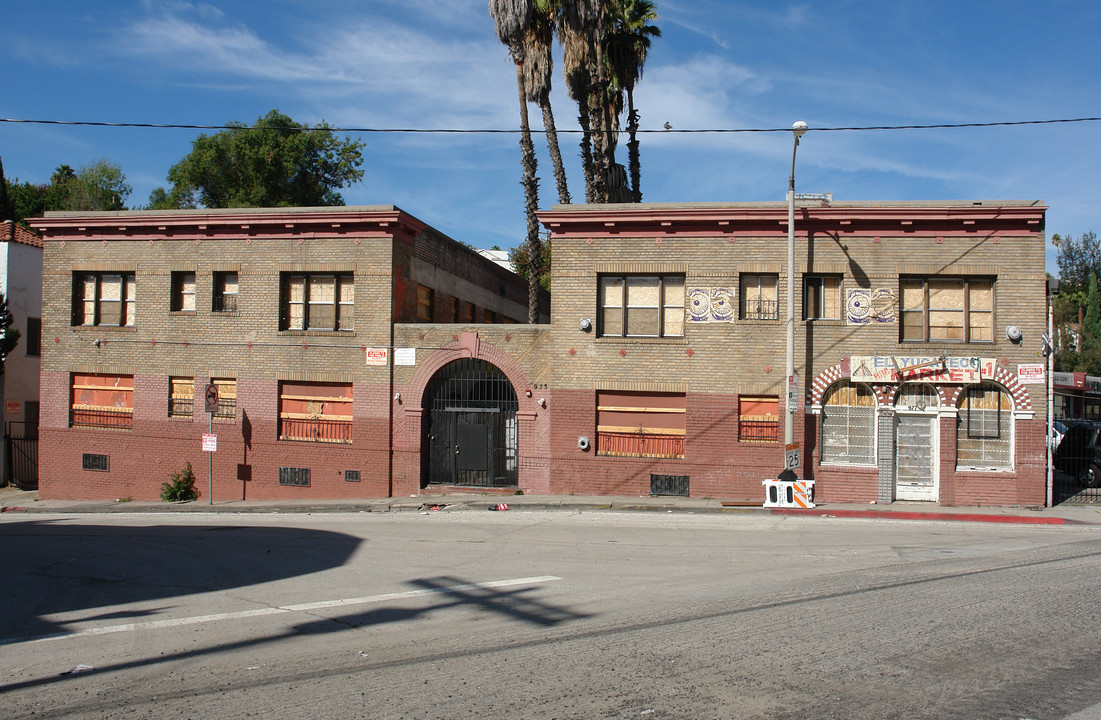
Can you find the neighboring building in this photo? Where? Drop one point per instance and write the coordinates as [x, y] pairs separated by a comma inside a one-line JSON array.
[[21, 283], [661, 369], [1077, 396]]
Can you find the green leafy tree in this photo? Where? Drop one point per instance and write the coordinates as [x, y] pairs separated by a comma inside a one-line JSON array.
[[99, 186], [276, 163], [9, 336], [1089, 343], [518, 256], [1078, 260]]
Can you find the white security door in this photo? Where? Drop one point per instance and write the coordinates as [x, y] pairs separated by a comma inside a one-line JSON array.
[[916, 443]]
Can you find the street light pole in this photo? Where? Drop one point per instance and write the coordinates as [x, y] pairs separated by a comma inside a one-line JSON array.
[[788, 473]]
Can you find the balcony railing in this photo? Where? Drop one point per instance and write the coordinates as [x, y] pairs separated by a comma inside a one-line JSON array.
[[315, 430], [181, 407], [102, 419]]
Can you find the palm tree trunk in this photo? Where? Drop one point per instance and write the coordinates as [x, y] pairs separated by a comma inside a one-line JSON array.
[[587, 155], [632, 145], [555, 152], [531, 201]]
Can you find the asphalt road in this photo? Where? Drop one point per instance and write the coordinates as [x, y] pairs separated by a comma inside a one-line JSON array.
[[546, 615]]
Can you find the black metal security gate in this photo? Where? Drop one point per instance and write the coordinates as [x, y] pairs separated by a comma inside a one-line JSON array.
[[21, 446], [471, 436]]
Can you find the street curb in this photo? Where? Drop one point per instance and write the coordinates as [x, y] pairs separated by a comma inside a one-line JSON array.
[[910, 515]]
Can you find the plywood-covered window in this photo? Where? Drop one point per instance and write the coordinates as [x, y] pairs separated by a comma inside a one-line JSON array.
[[315, 412], [104, 298], [181, 396], [848, 425], [984, 428], [102, 401], [182, 295], [426, 302], [759, 298], [759, 419], [641, 305], [822, 297], [318, 301], [944, 309], [640, 424], [227, 398]]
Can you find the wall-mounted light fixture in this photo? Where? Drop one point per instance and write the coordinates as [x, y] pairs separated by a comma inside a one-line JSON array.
[[585, 325], [1013, 333]]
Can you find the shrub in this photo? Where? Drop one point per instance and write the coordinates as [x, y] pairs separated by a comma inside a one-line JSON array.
[[181, 488]]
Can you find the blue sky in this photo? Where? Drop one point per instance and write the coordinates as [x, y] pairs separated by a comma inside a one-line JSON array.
[[719, 64]]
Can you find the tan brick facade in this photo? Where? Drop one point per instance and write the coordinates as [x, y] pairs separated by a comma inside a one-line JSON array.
[[724, 365]]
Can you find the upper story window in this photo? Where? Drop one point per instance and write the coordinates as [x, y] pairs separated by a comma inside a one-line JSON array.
[[425, 303], [317, 301], [182, 296], [822, 297], [34, 337], [103, 298], [224, 297], [944, 309], [759, 297], [642, 305]]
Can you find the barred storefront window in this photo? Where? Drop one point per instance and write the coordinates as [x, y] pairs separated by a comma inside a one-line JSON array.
[[848, 425], [984, 429]]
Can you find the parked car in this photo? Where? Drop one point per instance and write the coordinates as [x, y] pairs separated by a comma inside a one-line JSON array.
[[1058, 430], [1079, 453]]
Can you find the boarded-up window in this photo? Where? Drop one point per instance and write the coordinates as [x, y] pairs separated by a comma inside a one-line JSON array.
[[940, 309], [181, 397], [641, 305], [227, 398], [182, 296], [848, 425], [315, 412], [758, 418], [640, 424], [102, 401], [984, 429], [103, 299], [318, 301], [759, 299], [822, 297], [425, 303]]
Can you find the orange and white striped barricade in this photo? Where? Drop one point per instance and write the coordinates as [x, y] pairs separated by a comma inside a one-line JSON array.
[[803, 493]]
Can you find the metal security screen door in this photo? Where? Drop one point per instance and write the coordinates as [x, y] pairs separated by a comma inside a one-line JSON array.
[[916, 443], [471, 433]]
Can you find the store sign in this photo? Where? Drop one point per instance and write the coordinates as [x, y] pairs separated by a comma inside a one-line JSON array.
[[1031, 373], [13, 407], [1093, 384], [1063, 379], [899, 369]]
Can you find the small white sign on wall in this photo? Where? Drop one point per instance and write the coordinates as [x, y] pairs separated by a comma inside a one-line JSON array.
[[405, 356], [1031, 373]]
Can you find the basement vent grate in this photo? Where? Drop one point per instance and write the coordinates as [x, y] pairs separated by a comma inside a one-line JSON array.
[[299, 477], [351, 476], [91, 461], [669, 485]]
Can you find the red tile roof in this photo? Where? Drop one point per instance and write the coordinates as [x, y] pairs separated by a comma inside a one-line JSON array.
[[11, 232]]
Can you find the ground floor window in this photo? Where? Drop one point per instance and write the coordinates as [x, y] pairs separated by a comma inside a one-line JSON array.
[[640, 424], [758, 419], [984, 428], [848, 425], [102, 401], [315, 412], [181, 397]]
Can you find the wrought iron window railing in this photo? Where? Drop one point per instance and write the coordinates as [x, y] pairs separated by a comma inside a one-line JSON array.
[[102, 419], [315, 430], [225, 303], [760, 310]]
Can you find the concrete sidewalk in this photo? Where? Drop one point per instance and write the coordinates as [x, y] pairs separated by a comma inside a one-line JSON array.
[[13, 500]]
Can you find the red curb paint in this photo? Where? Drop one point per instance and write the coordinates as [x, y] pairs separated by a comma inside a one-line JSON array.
[[909, 515]]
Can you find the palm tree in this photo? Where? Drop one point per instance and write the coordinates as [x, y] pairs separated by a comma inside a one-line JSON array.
[[511, 19], [582, 25], [628, 42], [538, 69]]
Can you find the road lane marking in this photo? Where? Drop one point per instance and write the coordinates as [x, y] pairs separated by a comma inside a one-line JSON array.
[[281, 609]]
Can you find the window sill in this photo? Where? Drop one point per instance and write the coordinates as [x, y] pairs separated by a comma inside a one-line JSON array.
[[986, 470], [181, 312], [106, 328], [318, 333], [642, 339], [827, 322]]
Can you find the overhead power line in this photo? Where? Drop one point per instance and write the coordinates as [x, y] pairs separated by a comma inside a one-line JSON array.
[[500, 131]]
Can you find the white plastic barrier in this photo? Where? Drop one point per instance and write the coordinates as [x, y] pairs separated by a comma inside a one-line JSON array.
[[781, 493]]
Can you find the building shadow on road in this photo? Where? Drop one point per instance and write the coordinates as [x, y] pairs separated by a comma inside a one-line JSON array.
[[50, 568]]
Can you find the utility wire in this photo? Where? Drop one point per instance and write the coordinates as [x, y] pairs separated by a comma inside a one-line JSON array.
[[498, 131]]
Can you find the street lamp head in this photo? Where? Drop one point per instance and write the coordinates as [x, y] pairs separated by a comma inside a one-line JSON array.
[[799, 128]]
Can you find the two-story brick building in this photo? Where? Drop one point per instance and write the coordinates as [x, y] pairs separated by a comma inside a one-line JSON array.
[[661, 368]]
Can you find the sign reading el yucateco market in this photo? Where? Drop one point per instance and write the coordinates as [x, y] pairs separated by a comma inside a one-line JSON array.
[[940, 369]]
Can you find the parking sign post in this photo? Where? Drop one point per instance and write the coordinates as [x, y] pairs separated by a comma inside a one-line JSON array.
[[210, 398]]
